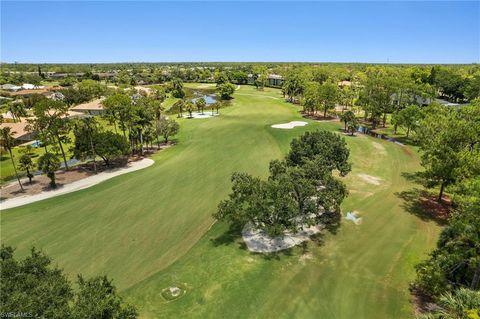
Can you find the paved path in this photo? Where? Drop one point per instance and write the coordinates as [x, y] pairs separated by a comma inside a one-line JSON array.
[[75, 186]]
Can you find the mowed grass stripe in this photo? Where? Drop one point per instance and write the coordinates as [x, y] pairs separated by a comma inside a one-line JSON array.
[[134, 225], [360, 272]]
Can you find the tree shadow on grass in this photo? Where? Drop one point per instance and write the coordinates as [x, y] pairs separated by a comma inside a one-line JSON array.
[[233, 233], [415, 201]]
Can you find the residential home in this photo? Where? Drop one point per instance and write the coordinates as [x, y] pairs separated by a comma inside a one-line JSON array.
[[94, 107]]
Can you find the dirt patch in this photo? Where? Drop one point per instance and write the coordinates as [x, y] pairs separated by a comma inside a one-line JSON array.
[[370, 179], [318, 117], [421, 302], [439, 210], [41, 183], [305, 257]]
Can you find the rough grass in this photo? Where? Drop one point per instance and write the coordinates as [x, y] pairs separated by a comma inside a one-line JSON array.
[[152, 227]]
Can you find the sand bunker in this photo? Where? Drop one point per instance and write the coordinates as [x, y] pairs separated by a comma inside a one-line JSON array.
[[198, 115], [354, 217], [370, 179], [289, 125], [259, 242]]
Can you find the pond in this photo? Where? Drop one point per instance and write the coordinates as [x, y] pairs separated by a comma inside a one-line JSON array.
[[209, 98]]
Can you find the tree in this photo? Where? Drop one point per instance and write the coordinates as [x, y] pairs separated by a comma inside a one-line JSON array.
[[8, 142], [119, 108], [167, 128], [34, 286], [158, 93], [456, 260], [110, 146], [447, 138], [350, 121], [48, 163], [85, 131], [407, 118], [226, 90], [189, 108], [97, 298], [177, 88], [17, 109], [295, 194], [328, 96], [51, 117], [200, 103], [179, 105], [26, 164], [326, 148], [294, 85], [91, 88]]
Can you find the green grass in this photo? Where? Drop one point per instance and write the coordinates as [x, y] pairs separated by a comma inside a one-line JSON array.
[[152, 228]]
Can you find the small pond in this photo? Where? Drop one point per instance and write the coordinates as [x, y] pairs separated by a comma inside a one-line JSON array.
[[209, 98]]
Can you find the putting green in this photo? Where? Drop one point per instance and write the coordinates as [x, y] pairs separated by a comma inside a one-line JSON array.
[[151, 228]]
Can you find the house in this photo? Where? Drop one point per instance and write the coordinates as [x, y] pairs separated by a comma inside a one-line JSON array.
[[20, 133], [94, 107], [275, 80]]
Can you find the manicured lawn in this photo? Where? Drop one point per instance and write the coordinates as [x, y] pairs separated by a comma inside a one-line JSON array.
[[151, 228]]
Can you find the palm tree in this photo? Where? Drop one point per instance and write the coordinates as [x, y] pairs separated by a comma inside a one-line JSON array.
[[189, 108], [200, 104], [8, 142], [17, 109]]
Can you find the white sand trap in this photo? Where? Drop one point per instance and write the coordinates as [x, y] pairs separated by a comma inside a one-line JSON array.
[[353, 216], [77, 185], [370, 179], [197, 115], [289, 125], [259, 242]]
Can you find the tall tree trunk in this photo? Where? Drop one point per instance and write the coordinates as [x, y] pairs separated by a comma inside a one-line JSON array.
[[63, 152], [15, 169], [442, 188], [408, 131], [94, 155], [141, 142], [476, 278]]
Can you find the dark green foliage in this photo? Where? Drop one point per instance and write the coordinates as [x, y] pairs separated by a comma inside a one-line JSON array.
[[167, 128], [456, 260], [36, 288], [48, 163], [26, 164], [33, 285], [110, 146], [296, 193], [324, 148], [225, 90]]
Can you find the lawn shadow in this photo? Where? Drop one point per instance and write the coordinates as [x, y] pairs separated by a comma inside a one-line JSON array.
[[419, 203], [233, 233]]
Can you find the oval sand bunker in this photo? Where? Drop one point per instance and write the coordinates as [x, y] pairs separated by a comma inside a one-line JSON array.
[[290, 125]]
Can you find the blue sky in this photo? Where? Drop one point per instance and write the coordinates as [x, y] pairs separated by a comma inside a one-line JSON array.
[[120, 31]]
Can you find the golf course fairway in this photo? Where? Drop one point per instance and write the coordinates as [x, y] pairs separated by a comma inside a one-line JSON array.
[[151, 229]]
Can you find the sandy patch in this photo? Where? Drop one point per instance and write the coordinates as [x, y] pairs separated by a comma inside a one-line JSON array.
[[77, 185], [197, 115], [370, 179], [305, 257], [380, 148], [259, 242], [289, 125]]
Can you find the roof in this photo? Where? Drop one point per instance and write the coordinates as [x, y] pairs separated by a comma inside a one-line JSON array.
[[95, 105], [275, 76], [344, 83], [18, 129]]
